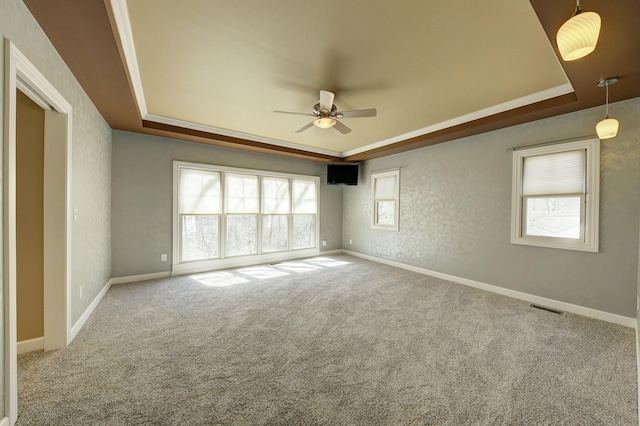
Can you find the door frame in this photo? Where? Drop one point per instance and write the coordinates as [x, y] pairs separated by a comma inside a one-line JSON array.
[[21, 74]]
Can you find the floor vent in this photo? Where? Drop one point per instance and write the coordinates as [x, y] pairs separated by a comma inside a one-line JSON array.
[[544, 308]]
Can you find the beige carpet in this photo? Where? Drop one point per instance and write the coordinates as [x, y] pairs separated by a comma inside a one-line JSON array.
[[329, 341]]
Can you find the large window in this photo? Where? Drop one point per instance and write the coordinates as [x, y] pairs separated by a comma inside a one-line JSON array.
[[223, 213], [555, 196], [385, 188]]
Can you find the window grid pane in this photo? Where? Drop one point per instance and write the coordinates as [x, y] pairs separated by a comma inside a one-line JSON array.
[[557, 173], [199, 237], [241, 195], [304, 231], [558, 217], [385, 212], [385, 188], [304, 196], [241, 234], [275, 196], [199, 192], [275, 233]]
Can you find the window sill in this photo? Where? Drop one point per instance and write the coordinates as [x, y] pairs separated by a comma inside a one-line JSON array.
[[557, 243]]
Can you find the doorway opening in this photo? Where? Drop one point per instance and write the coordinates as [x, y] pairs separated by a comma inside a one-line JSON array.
[[29, 224], [22, 77]]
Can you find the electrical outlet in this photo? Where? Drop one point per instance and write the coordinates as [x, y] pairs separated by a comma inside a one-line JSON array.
[[163, 257], [80, 292], [350, 241], [417, 254], [324, 243]]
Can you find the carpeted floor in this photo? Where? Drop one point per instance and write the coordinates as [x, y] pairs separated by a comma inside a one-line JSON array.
[[329, 341]]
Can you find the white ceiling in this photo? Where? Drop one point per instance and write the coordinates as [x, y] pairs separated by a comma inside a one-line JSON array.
[[225, 66]]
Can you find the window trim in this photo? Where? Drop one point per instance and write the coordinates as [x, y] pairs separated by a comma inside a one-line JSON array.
[[382, 174], [590, 213], [186, 267]]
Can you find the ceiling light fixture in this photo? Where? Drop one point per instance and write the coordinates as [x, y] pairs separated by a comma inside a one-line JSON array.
[[578, 36], [324, 122], [607, 128]]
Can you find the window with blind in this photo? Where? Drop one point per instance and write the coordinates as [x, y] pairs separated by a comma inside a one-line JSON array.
[[200, 207], [223, 213], [555, 196], [385, 187]]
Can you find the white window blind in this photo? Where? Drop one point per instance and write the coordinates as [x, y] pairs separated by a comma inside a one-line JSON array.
[[385, 188], [241, 193], [557, 173], [275, 196], [304, 197], [199, 192]]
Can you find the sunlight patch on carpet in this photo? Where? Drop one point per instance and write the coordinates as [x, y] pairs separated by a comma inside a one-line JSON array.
[[219, 279], [263, 272], [327, 262]]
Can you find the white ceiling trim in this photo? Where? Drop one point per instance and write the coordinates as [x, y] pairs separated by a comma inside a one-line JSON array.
[[123, 24], [482, 113], [224, 132]]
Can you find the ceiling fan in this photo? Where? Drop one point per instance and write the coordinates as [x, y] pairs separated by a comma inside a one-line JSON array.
[[326, 114]]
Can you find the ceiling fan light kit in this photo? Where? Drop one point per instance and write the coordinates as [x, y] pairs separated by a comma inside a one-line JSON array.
[[326, 114], [578, 37], [324, 122], [607, 128]]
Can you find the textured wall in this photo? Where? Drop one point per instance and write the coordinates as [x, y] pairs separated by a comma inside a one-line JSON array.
[[455, 209], [142, 191], [91, 157]]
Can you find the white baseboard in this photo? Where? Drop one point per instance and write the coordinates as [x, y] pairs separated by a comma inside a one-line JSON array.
[[142, 277], [87, 313], [330, 252], [563, 306], [30, 345], [5, 421]]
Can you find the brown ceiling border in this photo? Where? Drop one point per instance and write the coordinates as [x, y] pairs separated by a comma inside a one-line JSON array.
[[233, 142], [84, 34]]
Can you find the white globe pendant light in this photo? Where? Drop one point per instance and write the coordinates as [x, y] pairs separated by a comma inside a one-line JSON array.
[[607, 128], [578, 37]]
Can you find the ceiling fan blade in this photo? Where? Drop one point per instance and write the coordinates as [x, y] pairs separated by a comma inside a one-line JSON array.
[[326, 101], [302, 129], [295, 113], [358, 113], [341, 127]]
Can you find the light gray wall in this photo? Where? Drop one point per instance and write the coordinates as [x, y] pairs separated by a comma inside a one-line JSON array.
[[90, 165], [142, 188], [455, 208], [91, 157]]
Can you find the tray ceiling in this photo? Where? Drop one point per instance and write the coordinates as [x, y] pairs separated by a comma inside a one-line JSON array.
[[214, 71]]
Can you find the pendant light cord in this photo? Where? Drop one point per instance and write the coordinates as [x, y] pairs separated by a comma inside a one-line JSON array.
[[578, 10], [606, 86]]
